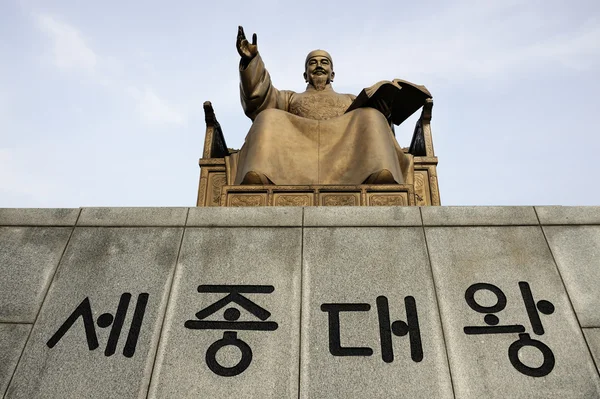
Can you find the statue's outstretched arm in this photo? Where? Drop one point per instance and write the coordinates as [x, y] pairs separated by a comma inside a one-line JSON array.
[[256, 90]]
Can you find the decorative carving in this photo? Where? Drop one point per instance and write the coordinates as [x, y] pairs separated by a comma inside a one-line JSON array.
[[292, 200], [218, 181], [387, 200], [420, 190], [202, 189], [247, 200], [428, 141], [426, 118], [318, 106], [369, 195], [435, 194], [339, 200]]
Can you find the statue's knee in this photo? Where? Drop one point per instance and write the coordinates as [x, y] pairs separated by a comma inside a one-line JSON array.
[[262, 127], [373, 113], [369, 114], [268, 114]]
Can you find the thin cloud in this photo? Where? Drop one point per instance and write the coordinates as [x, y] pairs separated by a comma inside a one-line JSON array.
[[69, 49], [155, 110], [462, 41]]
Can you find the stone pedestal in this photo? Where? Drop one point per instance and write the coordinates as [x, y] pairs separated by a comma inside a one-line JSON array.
[[310, 302]]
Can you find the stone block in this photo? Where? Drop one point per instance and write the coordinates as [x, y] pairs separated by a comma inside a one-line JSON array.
[[38, 216], [245, 217], [568, 214], [361, 216], [132, 217], [366, 283], [478, 215], [12, 341], [496, 287], [197, 357], [97, 331], [592, 336], [28, 258], [576, 250]]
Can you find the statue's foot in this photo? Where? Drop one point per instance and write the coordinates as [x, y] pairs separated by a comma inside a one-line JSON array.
[[255, 178], [384, 176]]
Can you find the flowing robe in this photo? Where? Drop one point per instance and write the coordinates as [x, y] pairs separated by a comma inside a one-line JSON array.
[[306, 138]]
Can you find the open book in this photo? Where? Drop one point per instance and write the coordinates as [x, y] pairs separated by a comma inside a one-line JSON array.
[[401, 98]]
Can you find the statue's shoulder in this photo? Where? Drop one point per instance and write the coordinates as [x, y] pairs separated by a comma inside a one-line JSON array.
[[285, 98], [347, 97]]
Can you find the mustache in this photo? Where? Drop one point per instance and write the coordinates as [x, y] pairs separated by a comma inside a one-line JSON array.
[[318, 69]]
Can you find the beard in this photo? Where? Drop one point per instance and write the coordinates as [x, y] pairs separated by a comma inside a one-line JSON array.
[[319, 82]]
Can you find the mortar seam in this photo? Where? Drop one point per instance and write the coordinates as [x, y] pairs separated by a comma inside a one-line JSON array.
[[300, 340], [170, 290], [437, 303], [568, 295]]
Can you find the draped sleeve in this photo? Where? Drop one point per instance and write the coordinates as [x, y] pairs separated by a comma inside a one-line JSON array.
[[257, 92]]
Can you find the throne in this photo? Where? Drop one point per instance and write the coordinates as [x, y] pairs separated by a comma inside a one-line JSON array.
[[218, 166]]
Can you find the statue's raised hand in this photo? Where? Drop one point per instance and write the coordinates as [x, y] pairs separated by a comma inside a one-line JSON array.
[[246, 49]]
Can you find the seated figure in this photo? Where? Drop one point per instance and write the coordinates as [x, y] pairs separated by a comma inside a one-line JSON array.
[[309, 138]]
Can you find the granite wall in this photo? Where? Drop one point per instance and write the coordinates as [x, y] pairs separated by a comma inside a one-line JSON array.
[[435, 302]]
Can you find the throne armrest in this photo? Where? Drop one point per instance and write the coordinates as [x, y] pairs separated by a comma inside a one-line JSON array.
[[214, 141], [421, 144]]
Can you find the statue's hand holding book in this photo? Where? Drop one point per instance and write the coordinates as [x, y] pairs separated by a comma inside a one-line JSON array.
[[396, 99]]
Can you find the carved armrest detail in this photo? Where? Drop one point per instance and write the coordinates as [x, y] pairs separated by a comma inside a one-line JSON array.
[[421, 144], [214, 141]]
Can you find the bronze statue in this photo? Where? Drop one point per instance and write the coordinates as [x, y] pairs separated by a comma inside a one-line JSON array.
[[319, 147], [312, 137]]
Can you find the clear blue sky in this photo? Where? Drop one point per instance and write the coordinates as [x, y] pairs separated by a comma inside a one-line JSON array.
[[101, 101]]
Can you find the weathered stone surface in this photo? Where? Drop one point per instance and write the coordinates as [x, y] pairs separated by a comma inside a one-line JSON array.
[[99, 266], [576, 250], [132, 217], [226, 256], [38, 217], [245, 217], [12, 341], [480, 364], [478, 215], [568, 214], [356, 266], [592, 336], [361, 216], [28, 258], [347, 264]]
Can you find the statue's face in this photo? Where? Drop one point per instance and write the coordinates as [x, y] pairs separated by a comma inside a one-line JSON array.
[[318, 71]]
